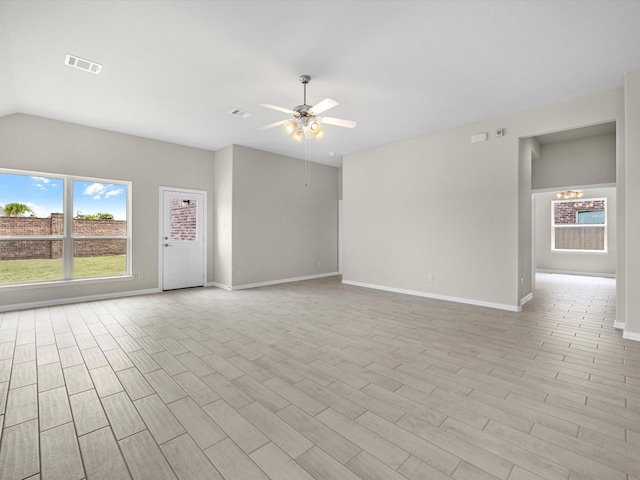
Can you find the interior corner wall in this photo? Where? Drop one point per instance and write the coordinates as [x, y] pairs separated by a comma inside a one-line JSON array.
[[632, 199], [42, 145], [595, 264], [223, 217], [528, 149], [440, 208], [282, 228]]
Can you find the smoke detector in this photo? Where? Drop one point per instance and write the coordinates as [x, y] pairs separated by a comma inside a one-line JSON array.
[[82, 64]]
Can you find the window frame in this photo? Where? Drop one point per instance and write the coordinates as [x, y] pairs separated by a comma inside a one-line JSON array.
[[604, 251], [68, 238]]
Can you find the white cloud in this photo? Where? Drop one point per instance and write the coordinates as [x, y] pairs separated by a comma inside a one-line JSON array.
[[38, 210], [99, 190], [95, 190], [41, 182], [114, 193], [42, 179]]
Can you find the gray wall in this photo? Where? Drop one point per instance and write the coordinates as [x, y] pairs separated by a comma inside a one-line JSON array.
[[584, 161], [439, 205], [50, 146], [264, 224], [281, 228], [574, 263]]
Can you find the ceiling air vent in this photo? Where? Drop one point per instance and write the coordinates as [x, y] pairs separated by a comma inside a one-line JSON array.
[[82, 64], [236, 112]]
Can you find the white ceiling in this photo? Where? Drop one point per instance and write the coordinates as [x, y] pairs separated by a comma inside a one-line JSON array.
[[172, 70]]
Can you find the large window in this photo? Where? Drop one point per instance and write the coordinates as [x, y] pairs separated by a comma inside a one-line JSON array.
[[58, 227], [579, 225]]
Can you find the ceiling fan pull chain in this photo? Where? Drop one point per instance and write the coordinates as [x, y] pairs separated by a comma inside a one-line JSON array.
[[307, 157]]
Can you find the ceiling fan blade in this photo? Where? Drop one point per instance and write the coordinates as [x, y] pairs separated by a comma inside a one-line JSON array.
[[339, 122], [275, 107], [274, 124], [323, 106]]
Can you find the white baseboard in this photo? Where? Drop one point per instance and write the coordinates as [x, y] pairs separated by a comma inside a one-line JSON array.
[[218, 285], [274, 282], [479, 303], [618, 325], [526, 298], [582, 274], [631, 336], [86, 298]]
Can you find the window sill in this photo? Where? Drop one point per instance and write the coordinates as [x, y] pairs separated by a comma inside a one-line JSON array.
[[582, 252], [64, 283]]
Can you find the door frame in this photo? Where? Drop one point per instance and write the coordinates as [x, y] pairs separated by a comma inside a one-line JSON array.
[[162, 191]]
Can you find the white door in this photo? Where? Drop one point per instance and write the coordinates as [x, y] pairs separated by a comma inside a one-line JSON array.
[[183, 240]]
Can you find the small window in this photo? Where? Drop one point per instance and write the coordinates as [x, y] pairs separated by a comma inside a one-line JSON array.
[[590, 217], [579, 225]]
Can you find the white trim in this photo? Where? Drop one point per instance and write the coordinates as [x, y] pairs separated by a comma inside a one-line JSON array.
[[219, 285], [526, 298], [575, 187], [580, 274], [276, 282], [87, 298], [479, 303], [618, 325], [631, 336], [581, 252], [605, 250], [340, 230]]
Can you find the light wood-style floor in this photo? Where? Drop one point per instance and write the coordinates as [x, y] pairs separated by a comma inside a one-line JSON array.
[[319, 380]]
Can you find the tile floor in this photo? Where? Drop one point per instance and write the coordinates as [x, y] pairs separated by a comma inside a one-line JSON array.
[[319, 380]]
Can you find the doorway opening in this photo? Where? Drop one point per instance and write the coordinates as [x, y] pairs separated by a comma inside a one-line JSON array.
[[579, 161]]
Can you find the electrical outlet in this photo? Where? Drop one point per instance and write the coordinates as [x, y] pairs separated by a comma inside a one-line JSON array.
[[430, 277], [140, 275]]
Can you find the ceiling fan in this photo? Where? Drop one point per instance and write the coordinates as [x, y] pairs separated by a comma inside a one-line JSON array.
[[306, 118]]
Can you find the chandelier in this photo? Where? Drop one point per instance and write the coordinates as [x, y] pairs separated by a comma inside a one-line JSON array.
[[570, 194]]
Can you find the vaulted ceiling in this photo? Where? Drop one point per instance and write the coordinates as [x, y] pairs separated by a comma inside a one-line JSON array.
[[173, 70]]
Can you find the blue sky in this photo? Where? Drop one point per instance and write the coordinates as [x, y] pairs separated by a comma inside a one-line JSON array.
[[44, 195]]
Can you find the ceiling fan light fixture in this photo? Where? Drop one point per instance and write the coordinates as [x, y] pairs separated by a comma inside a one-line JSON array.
[[305, 119], [290, 126], [315, 126], [297, 135]]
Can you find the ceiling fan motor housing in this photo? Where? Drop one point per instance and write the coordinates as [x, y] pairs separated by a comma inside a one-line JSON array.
[[302, 111]]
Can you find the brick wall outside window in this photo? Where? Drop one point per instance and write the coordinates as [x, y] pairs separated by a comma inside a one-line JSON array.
[[565, 213], [54, 225]]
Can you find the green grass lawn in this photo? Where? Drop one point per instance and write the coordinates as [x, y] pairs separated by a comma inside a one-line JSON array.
[[18, 271]]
